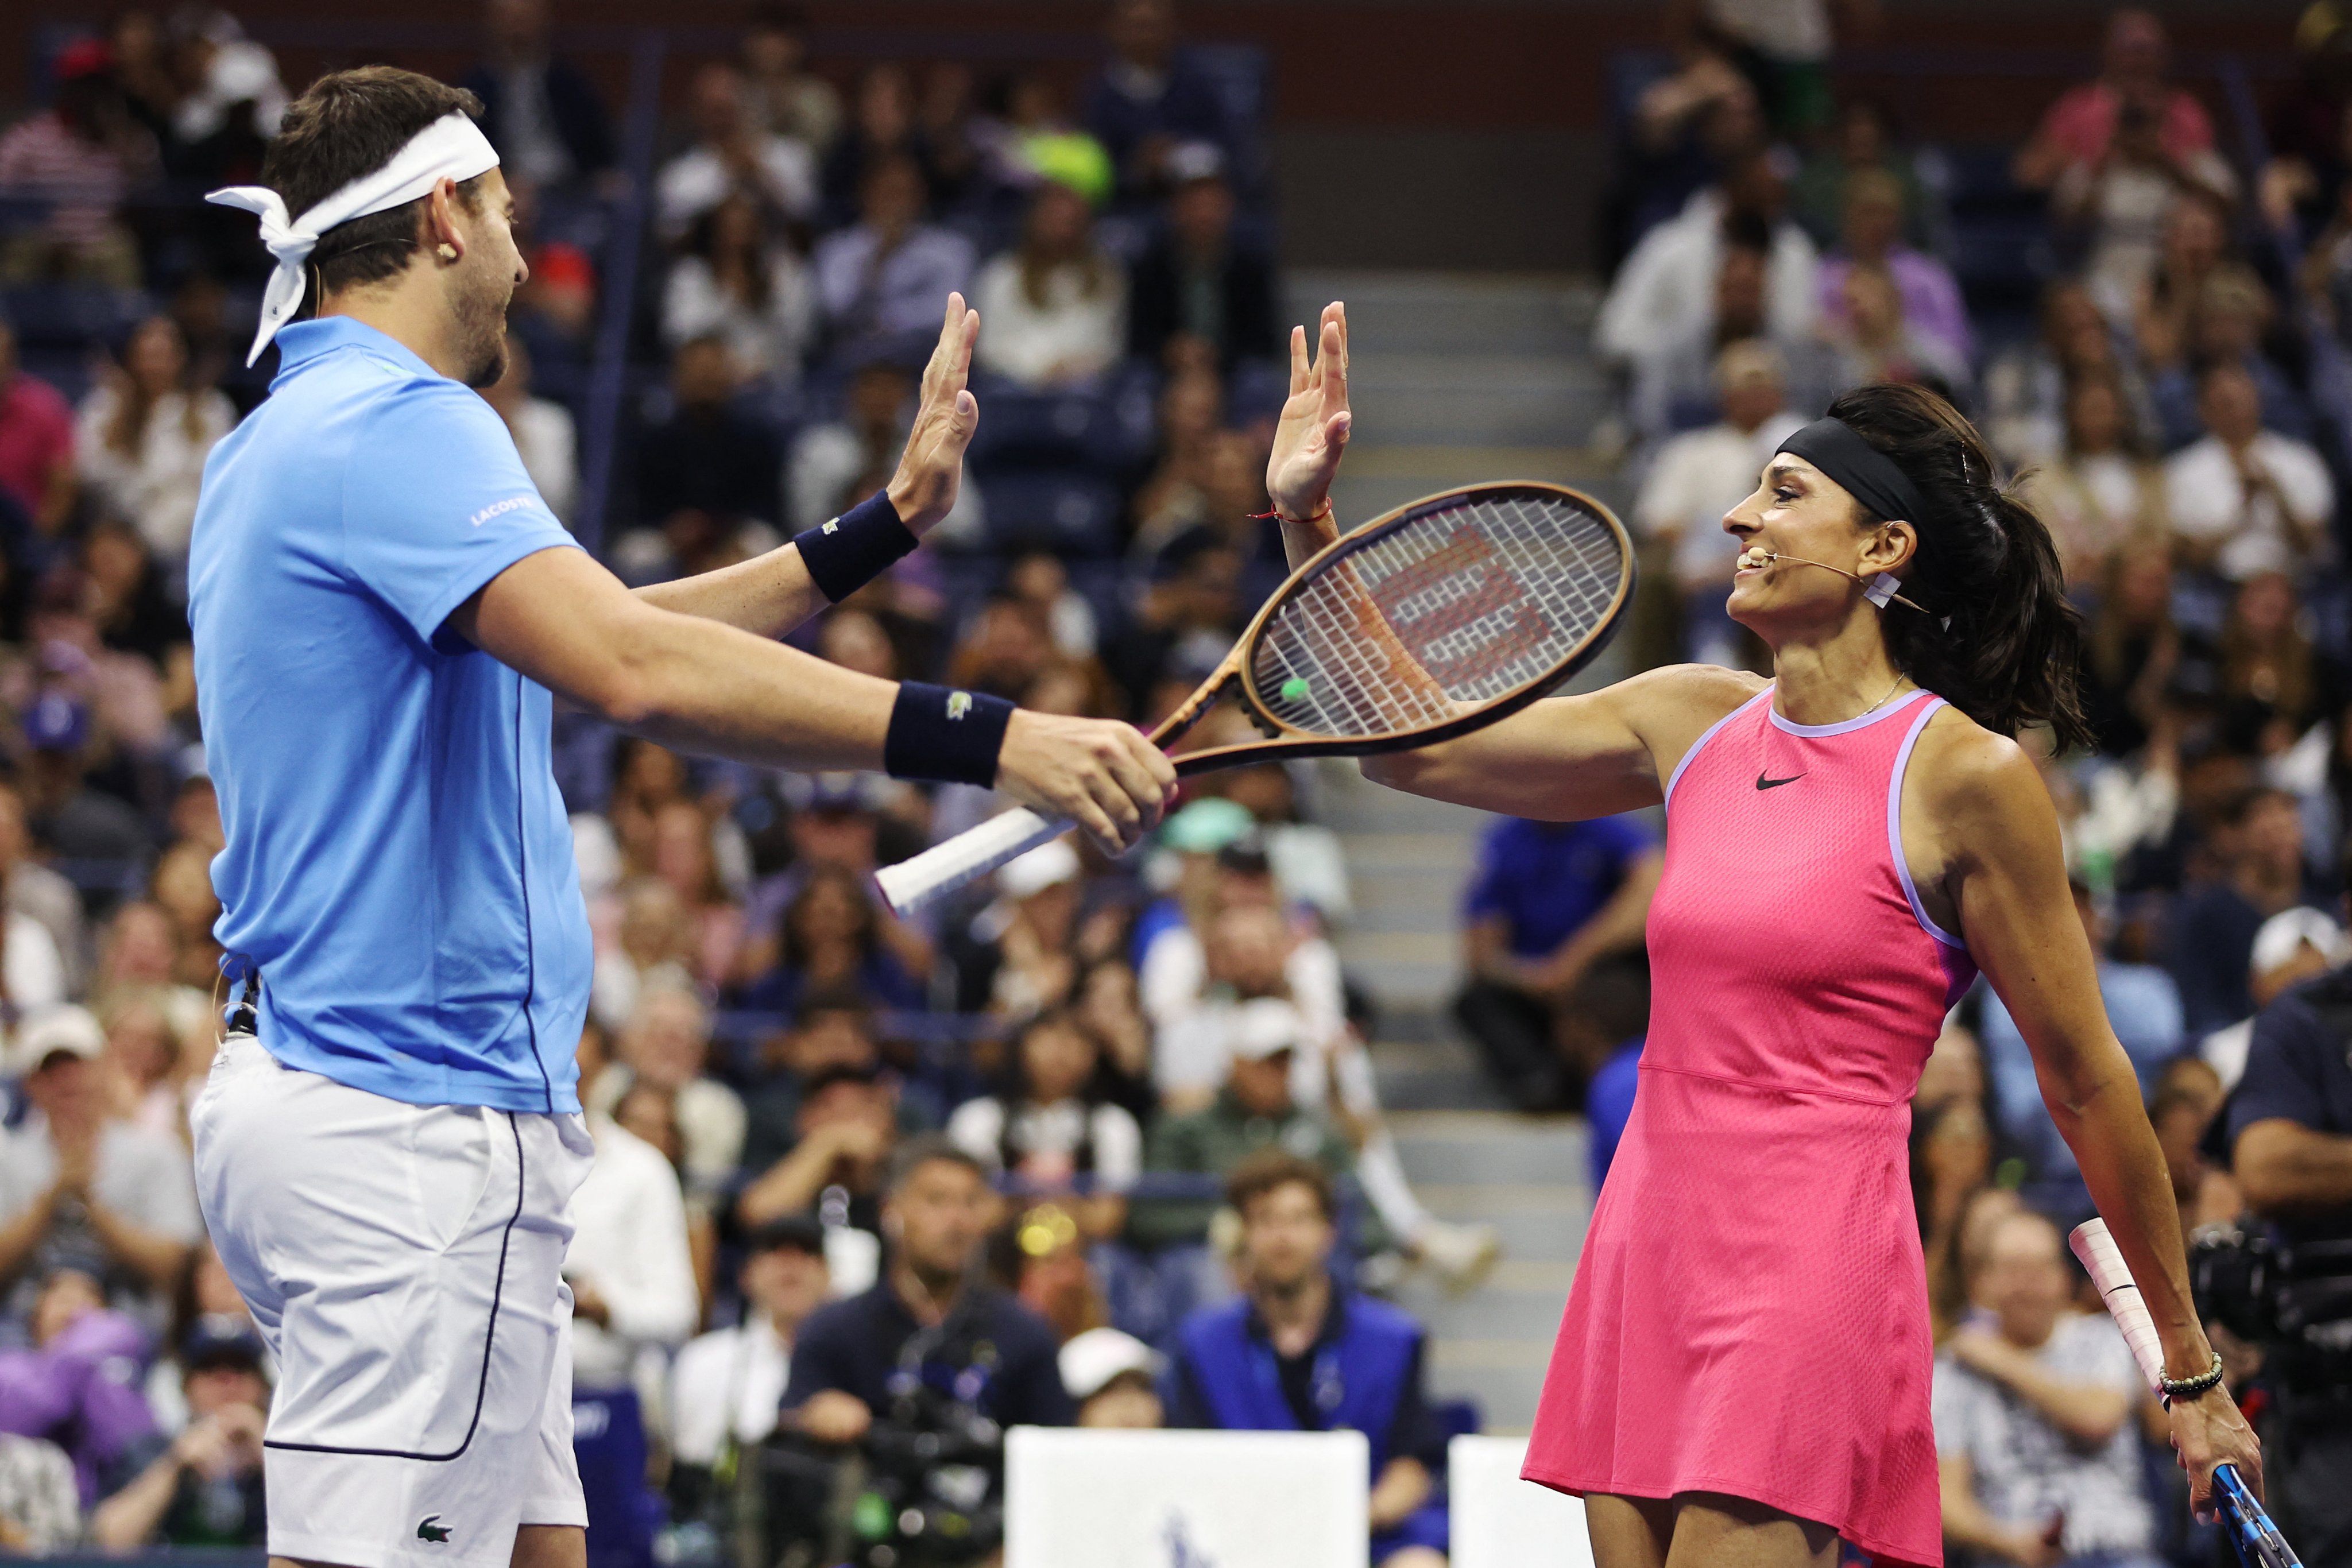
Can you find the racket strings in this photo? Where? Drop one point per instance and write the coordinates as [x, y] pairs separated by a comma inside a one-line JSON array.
[[1459, 607]]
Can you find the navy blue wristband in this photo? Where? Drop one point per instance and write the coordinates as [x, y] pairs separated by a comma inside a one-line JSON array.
[[945, 737], [853, 548]]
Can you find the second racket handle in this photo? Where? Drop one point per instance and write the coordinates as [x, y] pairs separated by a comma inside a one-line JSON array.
[[2103, 1261], [964, 858]]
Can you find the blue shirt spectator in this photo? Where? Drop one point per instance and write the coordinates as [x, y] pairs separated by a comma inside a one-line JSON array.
[[1609, 1105], [539, 110], [1150, 97], [2298, 1071], [1545, 880]]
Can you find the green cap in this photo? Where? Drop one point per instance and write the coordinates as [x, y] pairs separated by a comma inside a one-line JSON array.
[[1205, 827]]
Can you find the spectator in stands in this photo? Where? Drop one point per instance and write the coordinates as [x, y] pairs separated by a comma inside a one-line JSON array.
[[728, 1384], [785, 98], [182, 883], [654, 946], [881, 280], [544, 435], [143, 434], [1547, 901], [1872, 238], [1051, 1128], [1663, 297], [78, 157], [77, 1386], [205, 1308], [2277, 682], [202, 1486], [79, 1190], [836, 464], [2142, 1005], [738, 283], [666, 1046], [2099, 494], [124, 595], [683, 854], [1338, 1360], [2120, 204], [831, 938], [1055, 307], [2245, 499], [1861, 142], [539, 110], [632, 1293], [847, 1123], [1036, 926], [1149, 100], [1700, 474], [2186, 1097], [1200, 283], [2233, 313], [2194, 248], [2258, 838], [703, 472], [732, 152], [31, 888], [2083, 125], [1192, 609], [848, 1355], [147, 1083], [2026, 386], [37, 444], [1688, 128], [1253, 1110], [1875, 341], [2132, 648], [1114, 1379], [231, 99], [1610, 1009], [945, 115], [2034, 1416], [40, 1511]]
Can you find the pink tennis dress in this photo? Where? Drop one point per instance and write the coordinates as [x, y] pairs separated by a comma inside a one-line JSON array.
[[1750, 1314]]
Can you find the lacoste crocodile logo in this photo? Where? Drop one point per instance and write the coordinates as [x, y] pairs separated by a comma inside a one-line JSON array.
[[432, 1531], [959, 704]]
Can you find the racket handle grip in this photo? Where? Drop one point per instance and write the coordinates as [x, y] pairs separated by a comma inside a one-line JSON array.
[[966, 858], [2103, 1261]]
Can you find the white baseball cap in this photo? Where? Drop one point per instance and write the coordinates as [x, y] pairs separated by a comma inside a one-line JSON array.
[[1266, 1026], [1090, 1362], [68, 1028], [1043, 867], [2283, 934]]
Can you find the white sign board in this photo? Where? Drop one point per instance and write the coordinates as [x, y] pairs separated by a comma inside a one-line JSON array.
[[1093, 1498], [1502, 1522]]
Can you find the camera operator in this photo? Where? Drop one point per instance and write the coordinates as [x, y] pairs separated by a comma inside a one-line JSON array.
[[924, 1371], [2289, 1128]]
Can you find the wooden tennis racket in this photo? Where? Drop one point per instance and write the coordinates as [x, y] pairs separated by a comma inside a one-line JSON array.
[[1441, 617]]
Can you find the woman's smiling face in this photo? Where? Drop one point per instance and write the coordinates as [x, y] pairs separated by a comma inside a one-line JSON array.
[[1797, 510]]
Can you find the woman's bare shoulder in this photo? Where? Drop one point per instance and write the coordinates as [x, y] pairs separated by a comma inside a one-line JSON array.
[[1681, 699], [1961, 769]]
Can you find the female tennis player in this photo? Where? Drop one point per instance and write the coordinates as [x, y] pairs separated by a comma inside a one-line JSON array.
[[1742, 1375]]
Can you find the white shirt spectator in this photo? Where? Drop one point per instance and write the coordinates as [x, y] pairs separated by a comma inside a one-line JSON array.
[[549, 444], [2207, 500], [32, 965], [1666, 291], [629, 1246], [1696, 478], [727, 1384], [698, 179], [710, 1124], [771, 342], [37, 1496], [828, 458], [153, 486], [1055, 1131], [1076, 333], [141, 1176], [2026, 1469], [1191, 1032], [240, 71]]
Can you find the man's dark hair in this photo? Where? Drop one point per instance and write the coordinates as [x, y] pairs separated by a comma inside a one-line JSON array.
[[1264, 1171], [788, 1233], [930, 1148], [346, 125]]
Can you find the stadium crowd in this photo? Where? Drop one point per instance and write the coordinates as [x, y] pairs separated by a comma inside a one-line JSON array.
[[1130, 1107]]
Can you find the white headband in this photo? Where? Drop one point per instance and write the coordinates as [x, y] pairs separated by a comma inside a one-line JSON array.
[[453, 147]]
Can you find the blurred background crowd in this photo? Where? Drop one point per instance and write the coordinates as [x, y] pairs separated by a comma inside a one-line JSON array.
[[1127, 1095]]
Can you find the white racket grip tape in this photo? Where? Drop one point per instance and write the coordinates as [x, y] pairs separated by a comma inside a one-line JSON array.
[[966, 858], [2105, 1263]]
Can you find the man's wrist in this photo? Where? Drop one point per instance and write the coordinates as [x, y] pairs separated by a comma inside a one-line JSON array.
[[843, 554], [943, 737]]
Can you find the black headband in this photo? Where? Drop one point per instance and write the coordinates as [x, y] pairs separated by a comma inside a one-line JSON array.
[[1867, 473]]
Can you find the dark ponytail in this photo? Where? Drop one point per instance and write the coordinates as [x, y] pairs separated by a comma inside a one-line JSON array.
[[2009, 654]]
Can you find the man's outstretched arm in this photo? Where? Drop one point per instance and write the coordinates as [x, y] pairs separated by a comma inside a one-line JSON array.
[[774, 593], [700, 686]]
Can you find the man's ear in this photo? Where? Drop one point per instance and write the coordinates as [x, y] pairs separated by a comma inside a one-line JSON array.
[[441, 226]]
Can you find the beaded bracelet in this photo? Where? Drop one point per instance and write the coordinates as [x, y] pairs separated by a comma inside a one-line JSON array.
[[2191, 1387]]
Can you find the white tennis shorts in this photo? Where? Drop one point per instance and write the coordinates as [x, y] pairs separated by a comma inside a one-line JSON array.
[[404, 1263]]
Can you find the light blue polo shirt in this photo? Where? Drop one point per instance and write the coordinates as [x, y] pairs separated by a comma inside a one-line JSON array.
[[399, 861]]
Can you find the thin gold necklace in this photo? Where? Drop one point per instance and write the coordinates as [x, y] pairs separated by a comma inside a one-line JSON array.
[[1882, 702]]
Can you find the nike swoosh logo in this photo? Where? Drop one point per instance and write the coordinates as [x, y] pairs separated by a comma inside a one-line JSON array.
[[1764, 783]]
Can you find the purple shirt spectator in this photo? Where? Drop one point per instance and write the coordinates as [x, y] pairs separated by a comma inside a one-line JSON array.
[[81, 1390], [1873, 229]]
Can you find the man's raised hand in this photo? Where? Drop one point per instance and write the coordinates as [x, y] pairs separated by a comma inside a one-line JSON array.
[[931, 470]]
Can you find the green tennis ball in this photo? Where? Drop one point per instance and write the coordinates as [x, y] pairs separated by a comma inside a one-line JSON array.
[[1294, 690]]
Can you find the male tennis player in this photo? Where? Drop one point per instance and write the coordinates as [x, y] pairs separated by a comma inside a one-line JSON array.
[[382, 606]]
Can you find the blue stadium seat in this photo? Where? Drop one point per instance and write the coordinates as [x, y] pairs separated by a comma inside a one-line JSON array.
[[1068, 514], [1021, 429], [73, 315]]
